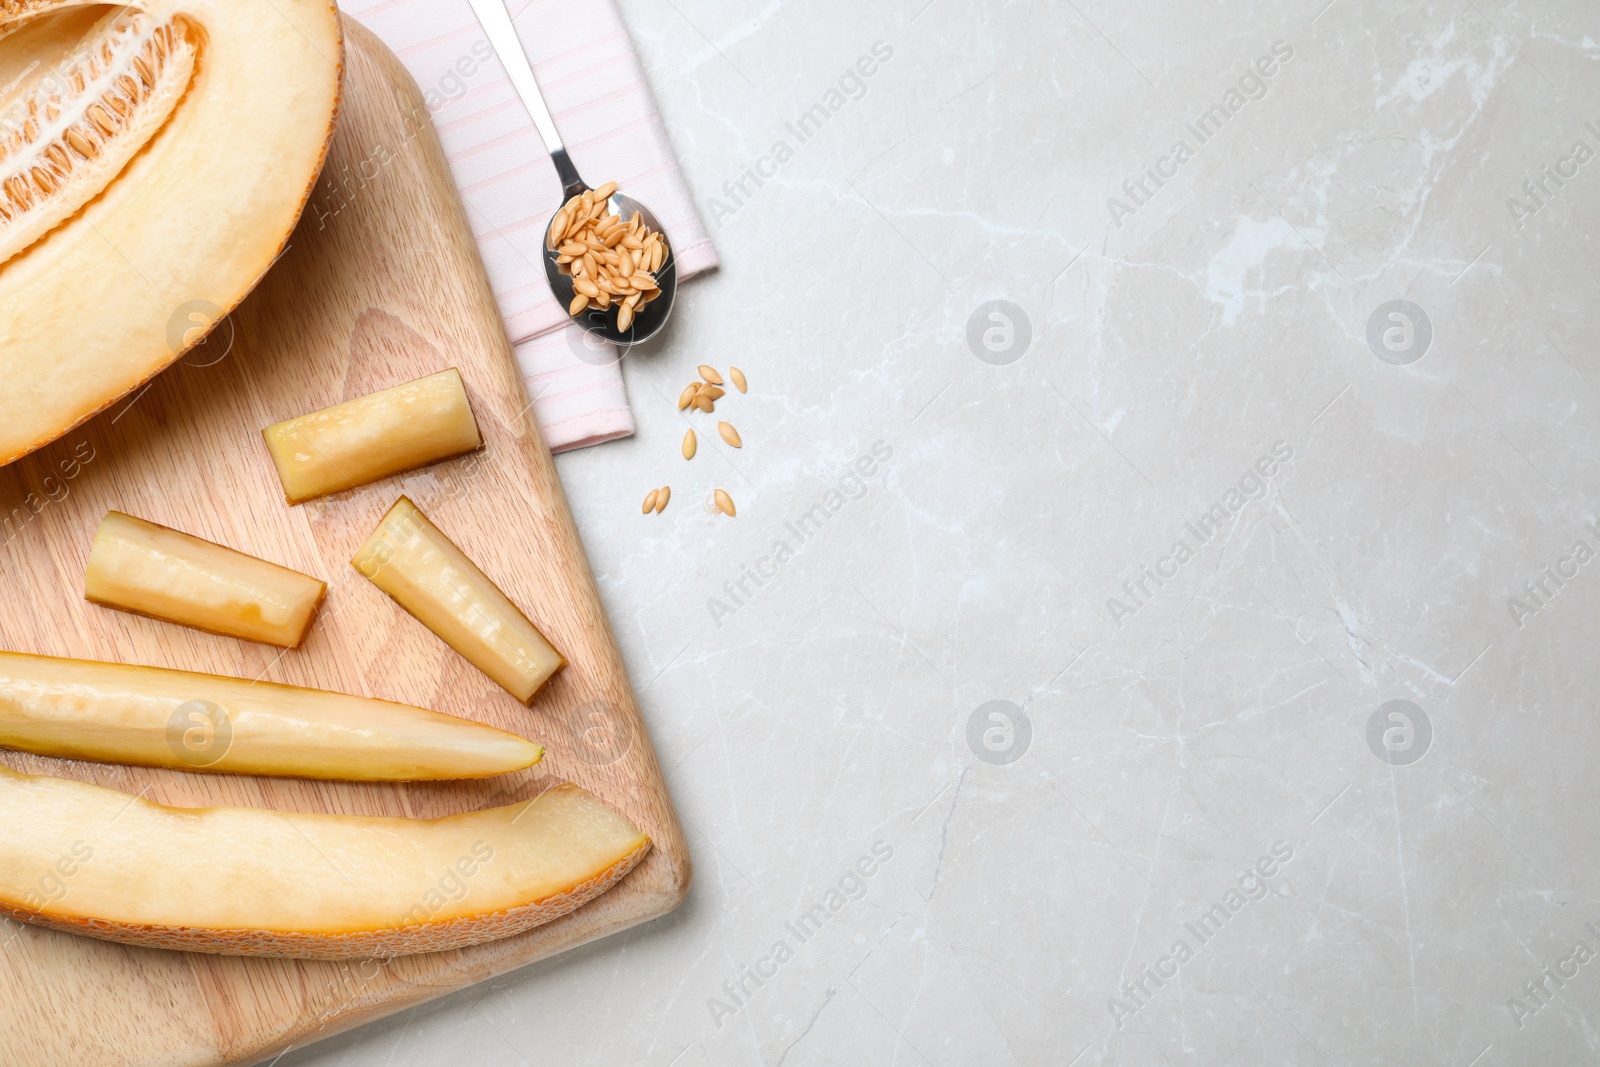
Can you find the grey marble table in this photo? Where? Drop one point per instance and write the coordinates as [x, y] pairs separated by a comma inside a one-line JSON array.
[[1159, 624]]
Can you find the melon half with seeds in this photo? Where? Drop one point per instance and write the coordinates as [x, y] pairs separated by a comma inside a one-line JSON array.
[[153, 161]]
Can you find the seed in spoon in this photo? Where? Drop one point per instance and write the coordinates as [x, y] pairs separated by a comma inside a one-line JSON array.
[[725, 503], [686, 397], [729, 434], [710, 374], [579, 302], [738, 379], [688, 444], [649, 502], [661, 501]]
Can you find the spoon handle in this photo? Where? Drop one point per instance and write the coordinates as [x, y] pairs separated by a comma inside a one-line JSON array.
[[502, 34]]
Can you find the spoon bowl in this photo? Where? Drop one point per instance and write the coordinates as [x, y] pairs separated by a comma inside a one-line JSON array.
[[647, 319]]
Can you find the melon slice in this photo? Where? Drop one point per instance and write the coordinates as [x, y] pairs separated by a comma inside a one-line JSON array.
[[122, 713], [149, 569], [243, 881], [153, 161], [387, 432], [413, 561]]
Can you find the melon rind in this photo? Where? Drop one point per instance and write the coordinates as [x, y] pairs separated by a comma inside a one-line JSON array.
[[113, 295]]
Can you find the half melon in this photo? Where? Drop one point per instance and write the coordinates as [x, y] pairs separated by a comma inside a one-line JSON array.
[[153, 161], [243, 881]]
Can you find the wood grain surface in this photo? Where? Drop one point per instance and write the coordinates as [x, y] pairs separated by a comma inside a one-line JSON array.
[[381, 284]]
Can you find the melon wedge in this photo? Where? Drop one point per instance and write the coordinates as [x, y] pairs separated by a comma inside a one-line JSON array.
[[120, 713], [242, 881], [387, 432], [148, 569], [153, 161], [412, 560]]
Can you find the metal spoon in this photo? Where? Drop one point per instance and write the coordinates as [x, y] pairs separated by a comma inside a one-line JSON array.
[[648, 318]]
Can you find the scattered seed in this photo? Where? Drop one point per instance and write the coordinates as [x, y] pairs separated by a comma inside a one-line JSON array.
[[714, 393], [738, 379], [730, 435], [710, 374], [703, 402], [661, 501], [725, 503], [650, 501], [688, 444], [686, 397]]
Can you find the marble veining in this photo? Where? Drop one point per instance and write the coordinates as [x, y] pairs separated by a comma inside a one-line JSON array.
[[1202, 673]]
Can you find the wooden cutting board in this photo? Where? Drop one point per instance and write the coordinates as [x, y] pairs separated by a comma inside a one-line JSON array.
[[381, 284]]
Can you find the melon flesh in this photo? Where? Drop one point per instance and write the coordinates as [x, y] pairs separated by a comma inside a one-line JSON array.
[[149, 569], [123, 713], [153, 162], [374, 436], [242, 881], [412, 560]]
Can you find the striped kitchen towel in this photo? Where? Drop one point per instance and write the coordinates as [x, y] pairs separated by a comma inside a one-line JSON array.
[[592, 80]]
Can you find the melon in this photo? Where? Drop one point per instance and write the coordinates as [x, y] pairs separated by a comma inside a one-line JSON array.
[[154, 160], [244, 881], [374, 436], [154, 717], [148, 569], [426, 573]]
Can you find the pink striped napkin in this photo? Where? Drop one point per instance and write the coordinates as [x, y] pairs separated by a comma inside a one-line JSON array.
[[597, 93]]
